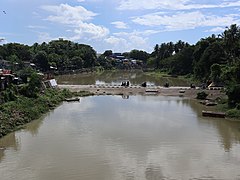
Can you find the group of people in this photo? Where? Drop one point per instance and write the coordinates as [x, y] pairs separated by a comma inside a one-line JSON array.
[[125, 83], [144, 84]]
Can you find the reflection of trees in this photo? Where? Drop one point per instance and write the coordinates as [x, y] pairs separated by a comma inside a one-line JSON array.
[[229, 131], [153, 173], [33, 127], [10, 141], [78, 79], [7, 142], [135, 77]]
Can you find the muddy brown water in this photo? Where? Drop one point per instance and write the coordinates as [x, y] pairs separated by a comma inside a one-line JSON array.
[[116, 77], [111, 138]]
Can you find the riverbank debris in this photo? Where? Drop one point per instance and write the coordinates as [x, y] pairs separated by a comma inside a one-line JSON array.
[[181, 91], [213, 114], [72, 99]]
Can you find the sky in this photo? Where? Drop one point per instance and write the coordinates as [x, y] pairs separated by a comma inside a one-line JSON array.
[[117, 25]]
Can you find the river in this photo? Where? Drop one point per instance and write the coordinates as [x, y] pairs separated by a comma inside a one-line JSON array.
[[112, 138], [116, 77]]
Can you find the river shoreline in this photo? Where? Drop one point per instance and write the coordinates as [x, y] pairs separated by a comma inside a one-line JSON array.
[[14, 118], [150, 90], [14, 115]]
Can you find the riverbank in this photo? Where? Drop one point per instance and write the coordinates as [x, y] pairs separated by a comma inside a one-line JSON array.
[[149, 90], [15, 114], [216, 95]]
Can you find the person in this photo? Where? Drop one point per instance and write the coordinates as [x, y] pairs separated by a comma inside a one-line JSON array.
[[166, 84], [192, 85], [144, 84], [127, 83]]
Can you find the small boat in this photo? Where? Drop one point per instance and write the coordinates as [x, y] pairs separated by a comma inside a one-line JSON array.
[[181, 91], [211, 104], [213, 114], [72, 99], [151, 90]]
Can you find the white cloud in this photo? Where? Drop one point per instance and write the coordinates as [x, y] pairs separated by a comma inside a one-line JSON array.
[[44, 37], [36, 27], [67, 14], [80, 0], [90, 31], [172, 5], [77, 17], [2, 40], [137, 33], [127, 43], [120, 25], [216, 30], [185, 20]]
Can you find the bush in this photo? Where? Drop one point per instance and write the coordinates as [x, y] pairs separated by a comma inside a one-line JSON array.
[[24, 109], [233, 113], [233, 93], [202, 95]]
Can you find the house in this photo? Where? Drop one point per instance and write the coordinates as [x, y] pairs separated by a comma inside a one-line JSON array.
[[6, 78]]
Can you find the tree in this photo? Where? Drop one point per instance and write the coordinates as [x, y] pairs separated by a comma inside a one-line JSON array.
[[77, 62], [108, 53], [42, 61], [231, 38], [215, 72], [139, 55], [214, 53]]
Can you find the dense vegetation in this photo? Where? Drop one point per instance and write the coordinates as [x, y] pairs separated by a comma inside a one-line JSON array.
[[62, 54], [23, 104], [215, 58]]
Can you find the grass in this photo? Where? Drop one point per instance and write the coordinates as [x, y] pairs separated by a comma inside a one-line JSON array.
[[14, 114]]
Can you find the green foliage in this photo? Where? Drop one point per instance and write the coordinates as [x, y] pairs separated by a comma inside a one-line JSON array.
[[23, 109], [216, 72], [181, 63], [139, 55], [9, 94], [201, 95], [233, 93], [108, 53], [41, 60], [233, 113], [33, 87], [63, 54]]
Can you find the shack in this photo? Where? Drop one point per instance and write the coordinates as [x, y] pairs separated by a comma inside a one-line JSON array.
[[6, 78]]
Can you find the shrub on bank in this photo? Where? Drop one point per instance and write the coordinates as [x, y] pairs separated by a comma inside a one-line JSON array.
[[202, 95], [22, 110], [233, 113]]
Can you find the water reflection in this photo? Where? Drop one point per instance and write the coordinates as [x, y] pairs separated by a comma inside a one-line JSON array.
[[116, 77], [229, 131], [154, 173], [7, 142], [10, 141], [33, 127], [124, 96], [109, 138]]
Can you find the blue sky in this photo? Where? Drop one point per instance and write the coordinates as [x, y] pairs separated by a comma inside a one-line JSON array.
[[119, 25]]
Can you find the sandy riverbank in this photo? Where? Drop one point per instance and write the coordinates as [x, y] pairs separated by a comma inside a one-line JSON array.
[[135, 90]]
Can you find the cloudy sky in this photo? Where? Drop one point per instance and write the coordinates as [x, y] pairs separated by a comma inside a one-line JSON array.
[[120, 25]]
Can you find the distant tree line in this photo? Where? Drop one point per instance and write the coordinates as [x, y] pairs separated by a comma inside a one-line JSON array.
[[62, 54], [215, 58]]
